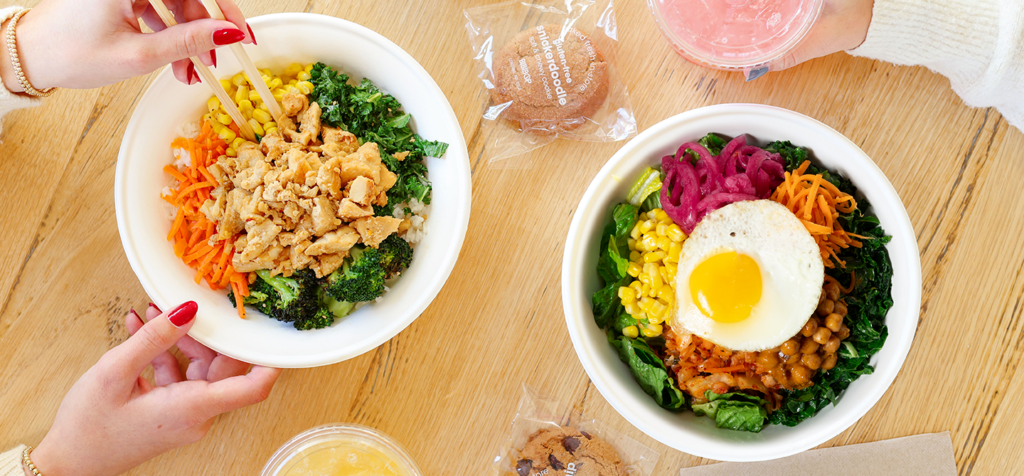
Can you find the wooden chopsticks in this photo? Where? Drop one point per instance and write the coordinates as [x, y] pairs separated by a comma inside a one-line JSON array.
[[247, 65], [207, 76]]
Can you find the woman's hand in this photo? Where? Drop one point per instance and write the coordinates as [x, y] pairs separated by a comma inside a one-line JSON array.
[[113, 419], [92, 43], [843, 25]]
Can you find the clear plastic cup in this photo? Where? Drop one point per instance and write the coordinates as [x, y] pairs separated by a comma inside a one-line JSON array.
[[743, 35], [340, 449]]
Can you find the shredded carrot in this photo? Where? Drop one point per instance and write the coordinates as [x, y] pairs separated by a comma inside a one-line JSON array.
[[727, 370], [195, 238], [818, 203]]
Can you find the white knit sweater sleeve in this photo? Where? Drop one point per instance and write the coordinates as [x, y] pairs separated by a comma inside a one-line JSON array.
[[10, 462], [8, 100], [977, 44]]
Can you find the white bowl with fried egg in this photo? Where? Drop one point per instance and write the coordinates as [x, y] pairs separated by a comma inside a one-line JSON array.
[[685, 431], [143, 222]]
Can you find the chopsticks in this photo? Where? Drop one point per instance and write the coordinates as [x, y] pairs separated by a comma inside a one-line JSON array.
[[247, 65], [207, 76]]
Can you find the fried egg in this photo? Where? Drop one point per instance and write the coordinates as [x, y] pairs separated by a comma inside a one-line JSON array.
[[749, 277]]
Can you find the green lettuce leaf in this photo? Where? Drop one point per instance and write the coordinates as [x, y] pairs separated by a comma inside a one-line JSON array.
[[648, 370], [734, 411]]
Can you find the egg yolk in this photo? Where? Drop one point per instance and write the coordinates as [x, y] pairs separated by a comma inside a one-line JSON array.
[[726, 286]]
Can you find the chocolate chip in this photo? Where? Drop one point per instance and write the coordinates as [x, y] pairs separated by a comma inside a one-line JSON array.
[[555, 463], [587, 435], [570, 444], [524, 466]]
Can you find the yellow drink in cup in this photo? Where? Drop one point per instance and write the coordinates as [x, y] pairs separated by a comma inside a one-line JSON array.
[[341, 450]]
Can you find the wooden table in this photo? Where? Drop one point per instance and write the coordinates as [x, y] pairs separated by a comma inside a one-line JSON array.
[[448, 386]]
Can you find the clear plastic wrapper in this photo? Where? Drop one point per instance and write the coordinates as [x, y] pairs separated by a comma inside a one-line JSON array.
[[549, 70], [548, 437]]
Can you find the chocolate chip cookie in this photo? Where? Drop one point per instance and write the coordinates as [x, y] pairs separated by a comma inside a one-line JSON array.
[[566, 451], [549, 81]]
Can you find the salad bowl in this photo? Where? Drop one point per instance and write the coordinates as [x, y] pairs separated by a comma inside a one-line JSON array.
[[143, 222], [685, 431]]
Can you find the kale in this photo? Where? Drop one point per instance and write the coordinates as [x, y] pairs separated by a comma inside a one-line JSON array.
[[734, 411], [713, 143], [364, 110], [866, 305]]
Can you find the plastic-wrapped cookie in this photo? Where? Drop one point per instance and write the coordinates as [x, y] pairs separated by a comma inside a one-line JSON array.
[[549, 81], [566, 451]]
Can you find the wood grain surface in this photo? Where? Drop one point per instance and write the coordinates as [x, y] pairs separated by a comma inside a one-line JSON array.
[[448, 386]]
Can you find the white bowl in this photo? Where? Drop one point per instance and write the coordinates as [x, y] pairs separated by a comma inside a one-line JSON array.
[[142, 217], [685, 431]]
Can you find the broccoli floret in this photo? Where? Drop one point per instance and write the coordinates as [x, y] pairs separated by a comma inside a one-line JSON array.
[[360, 279], [322, 318], [340, 309], [396, 255]]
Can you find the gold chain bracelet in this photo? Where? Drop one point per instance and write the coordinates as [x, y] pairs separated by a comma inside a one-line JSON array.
[[12, 51], [28, 461]]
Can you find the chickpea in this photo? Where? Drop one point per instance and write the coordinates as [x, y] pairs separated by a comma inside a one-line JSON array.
[[779, 375], [829, 362], [832, 290], [800, 374], [811, 361], [793, 359], [768, 358], [821, 335], [826, 307], [834, 322], [809, 328], [809, 346], [821, 297], [843, 333], [790, 347], [839, 308], [831, 346]]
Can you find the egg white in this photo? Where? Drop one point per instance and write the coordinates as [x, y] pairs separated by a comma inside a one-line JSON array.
[[792, 274]]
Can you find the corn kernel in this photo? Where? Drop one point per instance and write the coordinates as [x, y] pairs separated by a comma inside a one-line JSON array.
[[245, 105], [224, 119], [305, 86], [664, 243], [270, 125], [303, 76], [263, 107], [653, 256], [293, 82], [637, 286], [633, 269], [237, 143], [652, 214], [278, 94], [213, 104], [645, 303], [274, 83], [648, 332], [270, 130], [665, 293], [254, 96], [660, 215], [644, 278], [293, 69], [675, 233], [650, 243], [226, 84], [634, 255], [227, 135], [256, 127], [242, 94], [630, 331], [262, 116], [231, 152], [626, 294], [308, 68], [238, 79], [631, 243], [661, 229], [663, 271], [646, 226], [632, 308], [655, 277]]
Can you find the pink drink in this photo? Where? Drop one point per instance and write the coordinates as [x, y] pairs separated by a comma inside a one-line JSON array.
[[734, 34]]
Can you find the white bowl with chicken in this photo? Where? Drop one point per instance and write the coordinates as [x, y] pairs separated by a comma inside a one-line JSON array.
[[685, 431], [142, 215]]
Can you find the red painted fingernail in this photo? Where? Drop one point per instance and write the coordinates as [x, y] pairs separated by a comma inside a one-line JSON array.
[[213, 57], [183, 314], [227, 36], [251, 34], [154, 306], [189, 71], [135, 314], [198, 79]]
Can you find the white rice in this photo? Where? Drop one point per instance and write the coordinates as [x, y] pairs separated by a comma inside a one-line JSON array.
[[418, 230]]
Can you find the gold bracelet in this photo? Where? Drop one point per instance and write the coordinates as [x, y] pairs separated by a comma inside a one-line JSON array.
[[28, 461], [12, 51]]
